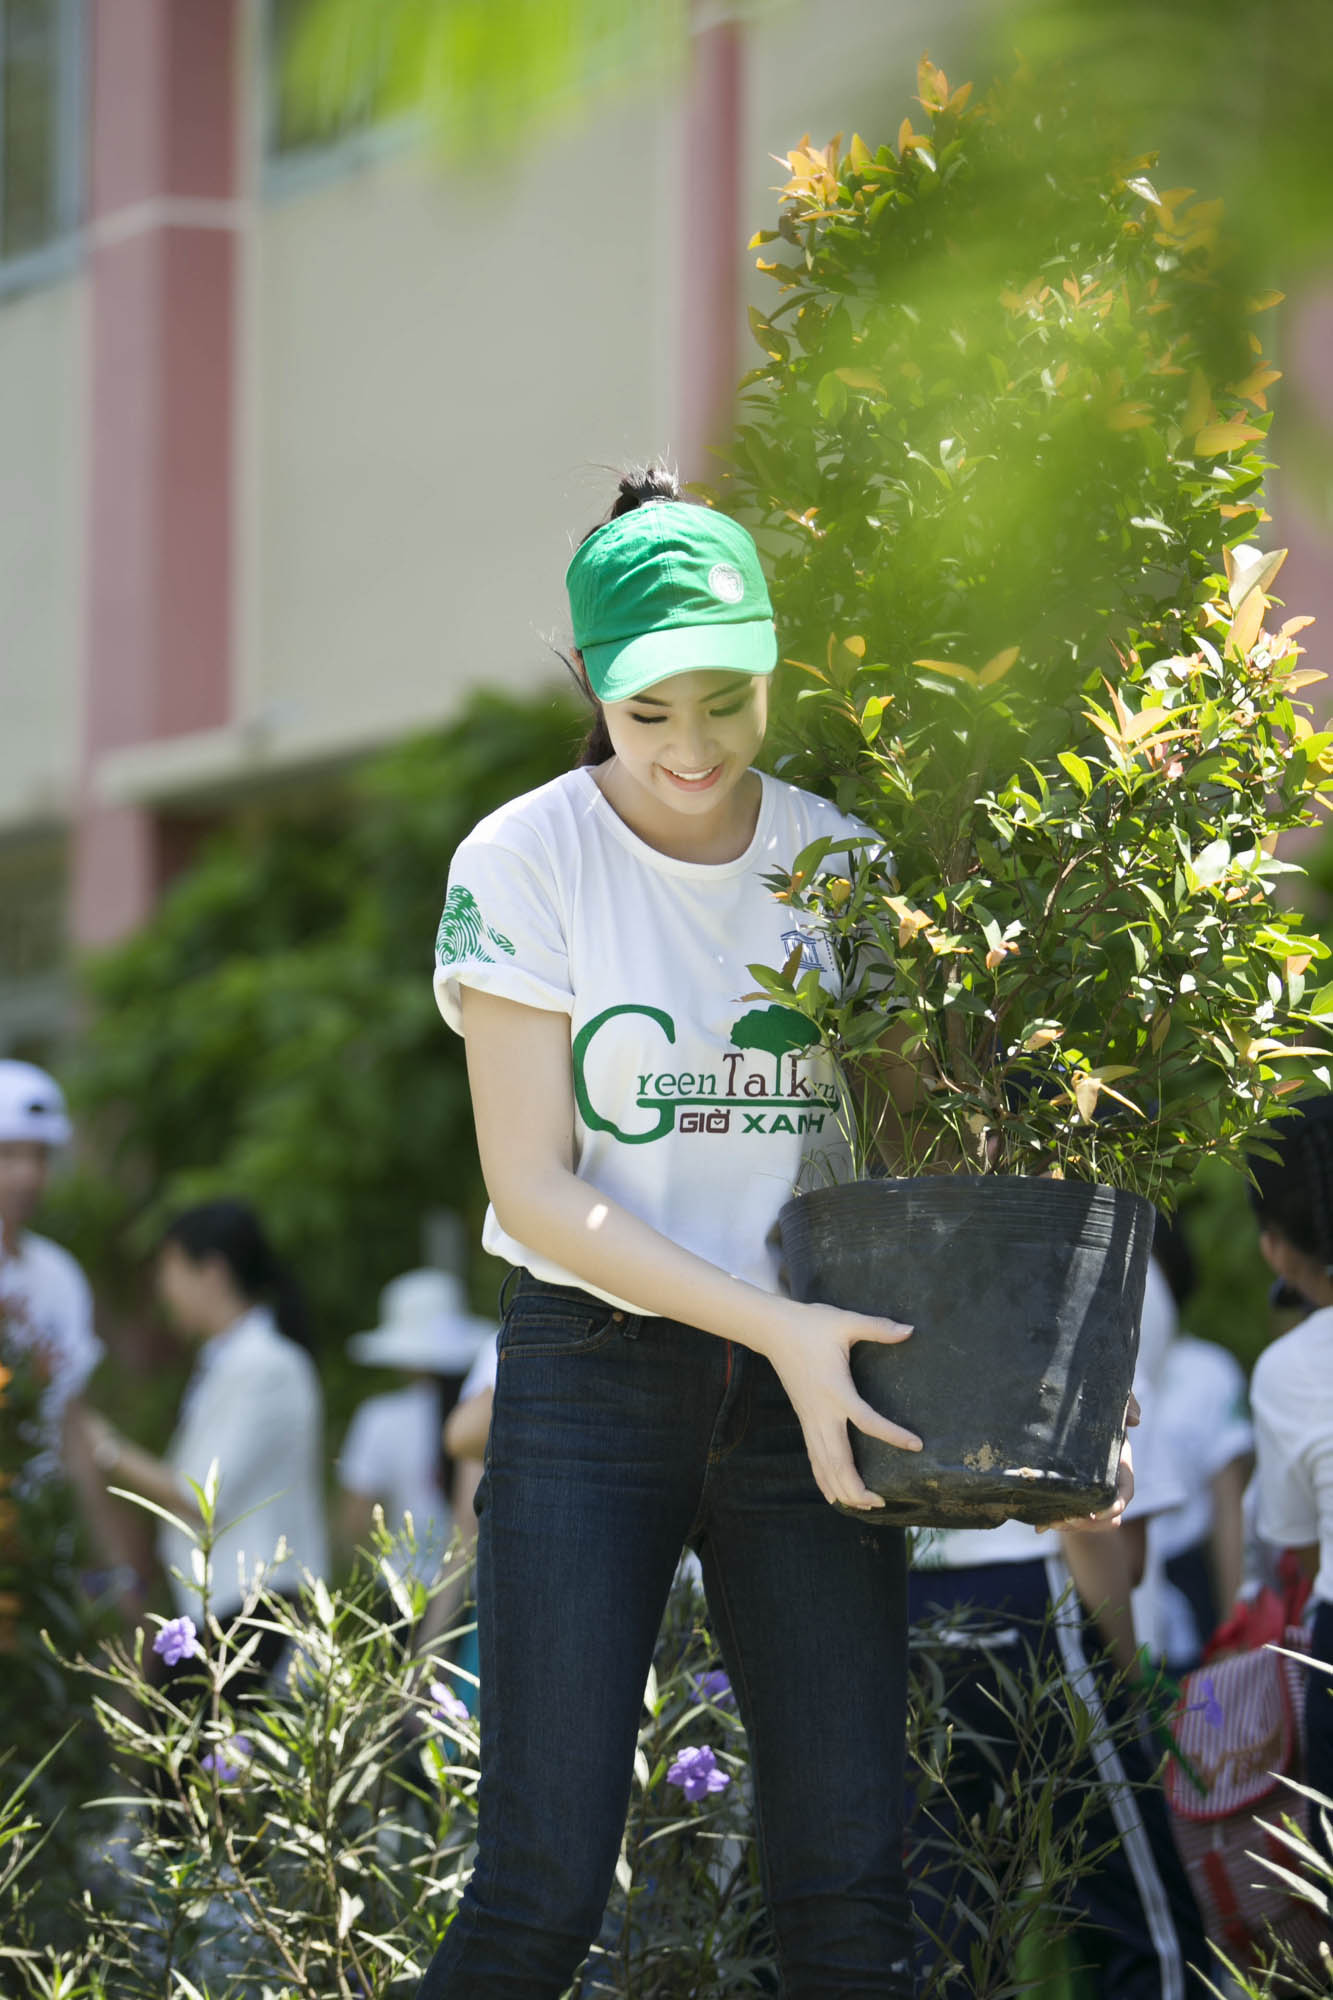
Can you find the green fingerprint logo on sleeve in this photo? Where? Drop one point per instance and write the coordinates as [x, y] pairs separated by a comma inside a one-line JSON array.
[[464, 932]]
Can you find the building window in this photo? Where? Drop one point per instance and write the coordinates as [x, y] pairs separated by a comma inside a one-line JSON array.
[[41, 105], [324, 69], [35, 999]]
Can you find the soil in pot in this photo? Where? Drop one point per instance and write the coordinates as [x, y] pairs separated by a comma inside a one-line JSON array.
[[1024, 1296]]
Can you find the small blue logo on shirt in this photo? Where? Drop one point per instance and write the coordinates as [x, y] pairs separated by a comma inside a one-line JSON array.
[[812, 959]]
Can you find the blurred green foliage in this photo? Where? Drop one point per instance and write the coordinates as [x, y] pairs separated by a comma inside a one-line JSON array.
[[1232, 92], [271, 1033], [1233, 95], [472, 70], [1006, 456]]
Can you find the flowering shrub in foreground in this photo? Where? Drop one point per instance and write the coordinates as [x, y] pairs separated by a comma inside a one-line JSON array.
[[315, 1842]]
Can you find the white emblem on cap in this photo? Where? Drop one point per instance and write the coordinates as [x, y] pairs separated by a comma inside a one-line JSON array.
[[725, 581]]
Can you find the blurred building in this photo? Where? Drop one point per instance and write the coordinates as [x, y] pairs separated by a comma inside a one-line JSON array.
[[296, 425]]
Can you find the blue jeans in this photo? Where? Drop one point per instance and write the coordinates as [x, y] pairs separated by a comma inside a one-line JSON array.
[[615, 1441]]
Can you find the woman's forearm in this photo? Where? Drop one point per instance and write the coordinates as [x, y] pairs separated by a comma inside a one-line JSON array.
[[1227, 1542], [137, 1471]]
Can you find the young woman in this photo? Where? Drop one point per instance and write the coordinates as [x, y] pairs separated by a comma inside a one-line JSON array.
[[640, 1124], [1291, 1396]]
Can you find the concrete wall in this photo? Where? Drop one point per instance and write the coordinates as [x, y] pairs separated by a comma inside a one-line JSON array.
[[442, 365], [43, 476]]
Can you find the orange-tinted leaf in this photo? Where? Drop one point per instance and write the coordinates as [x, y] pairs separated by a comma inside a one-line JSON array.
[[1250, 569], [1214, 439], [955, 672], [1248, 622], [932, 84], [1199, 410], [1255, 384], [995, 669]]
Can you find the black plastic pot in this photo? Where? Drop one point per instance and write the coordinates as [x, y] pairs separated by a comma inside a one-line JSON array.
[[1025, 1298]]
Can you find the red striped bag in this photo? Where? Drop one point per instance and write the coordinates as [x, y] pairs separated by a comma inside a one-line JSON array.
[[1238, 1730]]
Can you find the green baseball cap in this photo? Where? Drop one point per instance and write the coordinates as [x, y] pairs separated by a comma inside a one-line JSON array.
[[667, 588]]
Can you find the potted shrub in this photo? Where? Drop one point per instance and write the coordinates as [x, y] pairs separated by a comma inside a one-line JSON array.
[[1008, 474]]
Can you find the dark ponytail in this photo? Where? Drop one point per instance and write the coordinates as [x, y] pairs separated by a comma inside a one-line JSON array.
[[232, 1231], [641, 486], [1294, 1193]]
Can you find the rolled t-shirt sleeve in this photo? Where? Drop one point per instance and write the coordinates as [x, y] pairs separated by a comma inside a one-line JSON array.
[[501, 931]]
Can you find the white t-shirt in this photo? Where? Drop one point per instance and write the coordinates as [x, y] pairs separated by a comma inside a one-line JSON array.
[[391, 1453], [254, 1404], [481, 1375], [45, 1302], [1205, 1424], [1291, 1395], [698, 1106]]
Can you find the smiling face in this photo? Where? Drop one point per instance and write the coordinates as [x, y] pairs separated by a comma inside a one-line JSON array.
[[687, 742]]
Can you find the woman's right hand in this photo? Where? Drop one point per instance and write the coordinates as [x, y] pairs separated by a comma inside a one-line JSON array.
[[810, 1349]]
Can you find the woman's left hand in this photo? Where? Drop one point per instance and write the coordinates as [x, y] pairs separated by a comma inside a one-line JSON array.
[[1110, 1517]]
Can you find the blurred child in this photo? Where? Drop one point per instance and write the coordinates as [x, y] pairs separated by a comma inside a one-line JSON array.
[[46, 1308], [254, 1406], [394, 1452], [1197, 1548], [1292, 1396]]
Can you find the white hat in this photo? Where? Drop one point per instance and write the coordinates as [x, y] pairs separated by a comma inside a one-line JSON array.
[[32, 1105], [423, 1325]]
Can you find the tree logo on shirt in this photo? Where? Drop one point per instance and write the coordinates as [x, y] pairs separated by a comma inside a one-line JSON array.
[[464, 932], [725, 1094]]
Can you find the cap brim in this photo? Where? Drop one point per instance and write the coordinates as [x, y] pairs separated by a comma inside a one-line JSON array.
[[47, 1128], [626, 667]]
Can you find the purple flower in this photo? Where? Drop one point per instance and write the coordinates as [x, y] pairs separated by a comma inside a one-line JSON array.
[[229, 1760], [696, 1772], [1213, 1712], [714, 1687], [178, 1640], [447, 1704]]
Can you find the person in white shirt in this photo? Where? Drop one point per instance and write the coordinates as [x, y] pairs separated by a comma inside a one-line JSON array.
[[1196, 1549], [1015, 1601], [46, 1307], [253, 1406], [1291, 1395], [393, 1453]]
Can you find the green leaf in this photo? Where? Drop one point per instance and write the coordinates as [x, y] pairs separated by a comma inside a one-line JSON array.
[[1078, 770], [831, 396]]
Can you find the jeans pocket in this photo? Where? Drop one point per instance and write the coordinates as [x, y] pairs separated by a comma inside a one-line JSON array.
[[556, 1325]]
